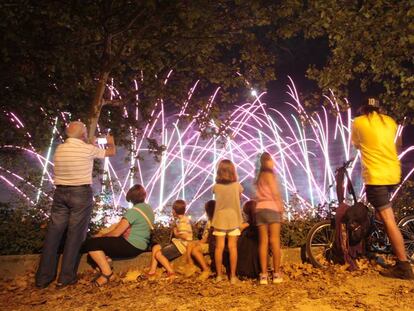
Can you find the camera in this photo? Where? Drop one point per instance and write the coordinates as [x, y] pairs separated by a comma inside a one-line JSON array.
[[102, 141]]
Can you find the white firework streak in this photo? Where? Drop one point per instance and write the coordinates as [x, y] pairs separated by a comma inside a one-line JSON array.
[[299, 142]]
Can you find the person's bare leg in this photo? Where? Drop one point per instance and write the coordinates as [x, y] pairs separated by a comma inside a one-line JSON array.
[[393, 233], [274, 241], [164, 262], [100, 259], [199, 257], [233, 255], [218, 254], [263, 247], [153, 266], [189, 252]]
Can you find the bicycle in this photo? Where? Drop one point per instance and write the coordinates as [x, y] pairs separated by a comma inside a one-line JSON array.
[[321, 237]]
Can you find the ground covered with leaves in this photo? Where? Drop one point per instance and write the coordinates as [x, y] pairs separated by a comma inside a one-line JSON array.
[[305, 288]]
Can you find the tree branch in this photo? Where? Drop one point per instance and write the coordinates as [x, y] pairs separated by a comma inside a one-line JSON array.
[[129, 24]]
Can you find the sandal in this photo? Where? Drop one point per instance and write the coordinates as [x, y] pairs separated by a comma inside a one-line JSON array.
[[171, 276], [150, 275], [106, 277]]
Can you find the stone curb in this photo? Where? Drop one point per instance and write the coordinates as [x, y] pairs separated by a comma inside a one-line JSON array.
[[19, 265]]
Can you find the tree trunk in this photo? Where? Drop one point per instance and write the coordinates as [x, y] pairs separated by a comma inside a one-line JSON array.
[[97, 104]]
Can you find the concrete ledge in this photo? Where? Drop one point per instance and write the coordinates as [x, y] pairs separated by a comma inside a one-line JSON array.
[[18, 265]]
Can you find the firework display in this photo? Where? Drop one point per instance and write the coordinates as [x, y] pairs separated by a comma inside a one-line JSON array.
[[306, 147]]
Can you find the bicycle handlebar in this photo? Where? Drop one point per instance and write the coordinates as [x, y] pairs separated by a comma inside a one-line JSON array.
[[345, 165]]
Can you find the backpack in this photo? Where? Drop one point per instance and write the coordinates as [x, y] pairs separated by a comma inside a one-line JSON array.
[[357, 223], [351, 224]]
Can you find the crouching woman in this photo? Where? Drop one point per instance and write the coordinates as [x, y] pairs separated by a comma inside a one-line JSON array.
[[129, 238]]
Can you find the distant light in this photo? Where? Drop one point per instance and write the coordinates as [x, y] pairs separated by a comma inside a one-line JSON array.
[[253, 92]]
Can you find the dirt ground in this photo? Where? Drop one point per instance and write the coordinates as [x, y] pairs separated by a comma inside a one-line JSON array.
[[305, 288]]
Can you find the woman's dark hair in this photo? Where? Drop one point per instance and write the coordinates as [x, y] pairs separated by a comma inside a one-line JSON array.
[[249, 209], [136, 194], [209, 208]]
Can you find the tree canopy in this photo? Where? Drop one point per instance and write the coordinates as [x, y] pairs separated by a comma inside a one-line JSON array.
[[371, 43], [61, 56]]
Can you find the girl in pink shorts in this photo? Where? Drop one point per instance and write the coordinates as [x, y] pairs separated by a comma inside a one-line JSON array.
[[269, 212]]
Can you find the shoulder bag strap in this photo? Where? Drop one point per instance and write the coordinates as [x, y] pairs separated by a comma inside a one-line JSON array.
[[145, 217]]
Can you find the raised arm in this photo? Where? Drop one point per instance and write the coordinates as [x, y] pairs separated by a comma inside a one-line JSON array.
[[354, 136], [111, 150]]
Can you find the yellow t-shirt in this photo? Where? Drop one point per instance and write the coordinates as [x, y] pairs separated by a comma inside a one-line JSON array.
[[374, 136]]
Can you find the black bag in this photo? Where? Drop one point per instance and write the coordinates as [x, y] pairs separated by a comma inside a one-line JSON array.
[[351, 224], [248, 263], [357, 222], [356, 218]]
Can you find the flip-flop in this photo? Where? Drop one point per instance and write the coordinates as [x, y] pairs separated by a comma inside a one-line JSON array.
[[171, 276]]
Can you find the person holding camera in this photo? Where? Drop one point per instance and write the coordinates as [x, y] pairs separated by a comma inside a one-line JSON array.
[[72, 204]]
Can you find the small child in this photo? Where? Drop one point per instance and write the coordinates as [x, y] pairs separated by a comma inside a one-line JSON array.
[[182, 232], [269, 215], [227, 218], [197, 249]]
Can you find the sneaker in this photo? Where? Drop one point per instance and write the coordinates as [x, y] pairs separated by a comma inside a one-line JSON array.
[[263, 279], [189, 270], [401, 270], [42, 285], [61, 285], [277, 278], [234, 280], [204, 275], [218, 279]]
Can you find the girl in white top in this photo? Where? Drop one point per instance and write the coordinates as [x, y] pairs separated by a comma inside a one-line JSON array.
[[227, 217]]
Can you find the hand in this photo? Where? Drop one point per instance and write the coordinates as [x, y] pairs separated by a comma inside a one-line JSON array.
[[94, 140], [110, 139], [98, 235]]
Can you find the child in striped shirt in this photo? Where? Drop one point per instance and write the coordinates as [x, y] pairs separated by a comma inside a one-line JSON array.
[[182, 232]]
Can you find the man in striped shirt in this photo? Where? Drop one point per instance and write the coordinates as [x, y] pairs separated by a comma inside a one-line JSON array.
[[72, 204]]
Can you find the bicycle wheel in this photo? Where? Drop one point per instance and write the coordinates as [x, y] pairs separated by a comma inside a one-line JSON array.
[[319, 243], [406, 226]]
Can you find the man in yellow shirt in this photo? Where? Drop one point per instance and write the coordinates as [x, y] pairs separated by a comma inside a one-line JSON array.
[[374, 134]]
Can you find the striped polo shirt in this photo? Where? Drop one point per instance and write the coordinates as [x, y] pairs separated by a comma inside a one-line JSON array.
[[74, 162]]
